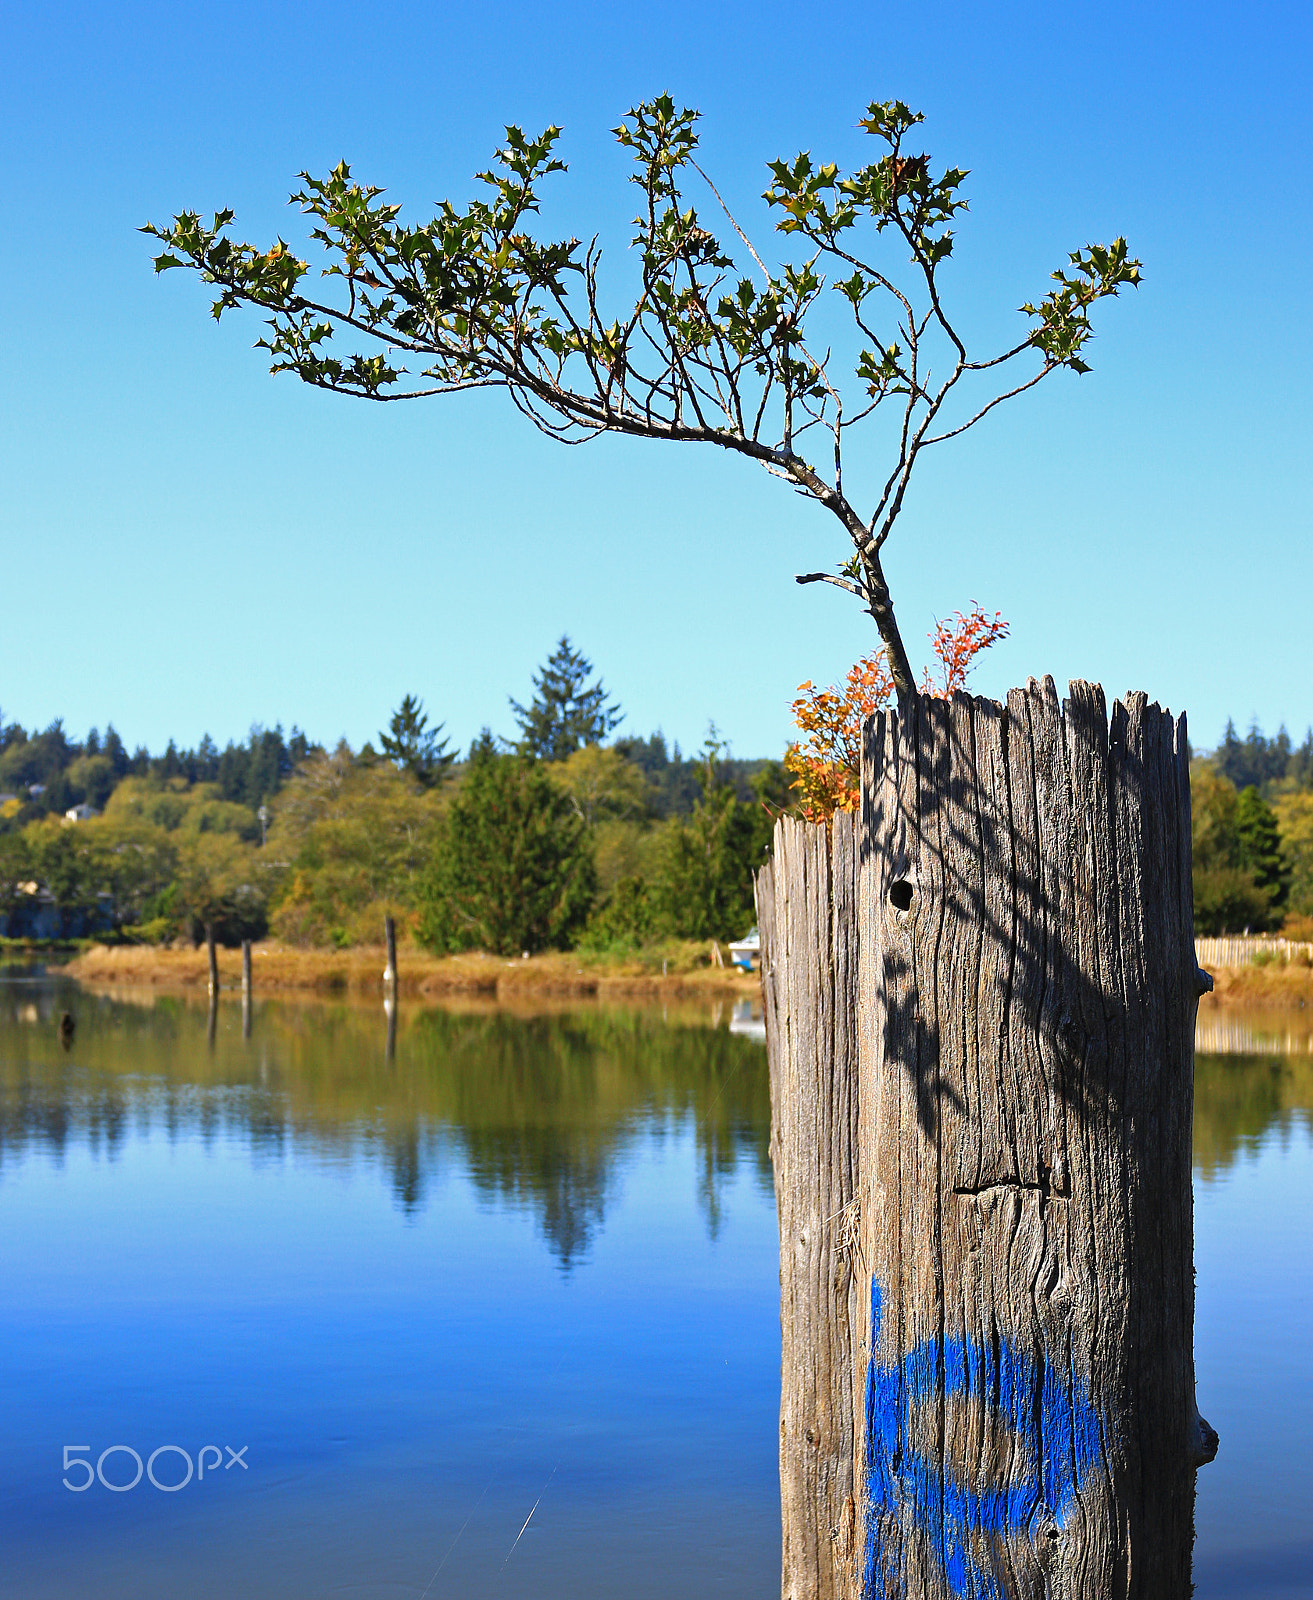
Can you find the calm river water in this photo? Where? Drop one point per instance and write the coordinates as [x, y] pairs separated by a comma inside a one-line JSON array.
[[498, 1316]]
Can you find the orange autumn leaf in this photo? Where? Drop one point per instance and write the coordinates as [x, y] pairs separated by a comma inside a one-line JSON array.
[[826, 762]]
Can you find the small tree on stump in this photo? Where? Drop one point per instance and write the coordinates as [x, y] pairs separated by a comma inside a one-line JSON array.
[[978, 996], [716, 348]]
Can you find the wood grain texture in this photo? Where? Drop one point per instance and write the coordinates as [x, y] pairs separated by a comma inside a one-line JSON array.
[[1024, 1389], [806, 908], [980, 1012]]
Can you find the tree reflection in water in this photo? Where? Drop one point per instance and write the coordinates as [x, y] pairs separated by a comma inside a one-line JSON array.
[[539, 1110]]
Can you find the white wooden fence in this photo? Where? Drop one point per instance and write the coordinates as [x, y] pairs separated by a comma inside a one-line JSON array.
[[1237, 950]]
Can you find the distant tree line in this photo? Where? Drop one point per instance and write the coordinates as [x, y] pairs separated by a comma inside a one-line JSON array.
[[1268, 765], [46, 772], [551, 838], [554, 837]]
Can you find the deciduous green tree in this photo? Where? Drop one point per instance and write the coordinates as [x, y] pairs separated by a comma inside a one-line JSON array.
[[220, 883], [1294, 814], [71, 862], [1228, 893], [603, 785], [703, 884], [15, 870], [356, 837]]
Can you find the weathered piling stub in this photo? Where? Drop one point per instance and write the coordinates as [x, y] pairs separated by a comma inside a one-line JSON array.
[[212, 1026], [246, 988], [1018, 1223], [809, 965]]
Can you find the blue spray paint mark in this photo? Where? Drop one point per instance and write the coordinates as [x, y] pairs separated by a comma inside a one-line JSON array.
[[1054, 1428]]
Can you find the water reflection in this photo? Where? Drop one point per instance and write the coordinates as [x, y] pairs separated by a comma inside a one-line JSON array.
[[539, 1110], [1253, 1165], [1253, 1079], [495, 1264], [402, 1366]]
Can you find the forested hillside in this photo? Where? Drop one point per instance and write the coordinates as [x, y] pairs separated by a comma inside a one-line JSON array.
[[554, 838], [551, 838]]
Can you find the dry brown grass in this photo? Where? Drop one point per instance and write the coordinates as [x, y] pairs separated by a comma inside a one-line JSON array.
[[1276, 985], [283, 968], [563, 975]]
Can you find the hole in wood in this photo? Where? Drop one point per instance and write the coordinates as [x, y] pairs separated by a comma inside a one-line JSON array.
[[900, 894]]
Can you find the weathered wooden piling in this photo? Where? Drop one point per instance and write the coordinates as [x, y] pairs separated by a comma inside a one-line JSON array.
[[246, 988], [806, 913], [390, 939], [1003, 1241]]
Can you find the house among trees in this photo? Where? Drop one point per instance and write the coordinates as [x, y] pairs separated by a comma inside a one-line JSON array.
[[82, 812], [33, 914]]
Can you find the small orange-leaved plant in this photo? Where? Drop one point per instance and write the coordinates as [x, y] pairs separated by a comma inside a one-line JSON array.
[[826, 761]]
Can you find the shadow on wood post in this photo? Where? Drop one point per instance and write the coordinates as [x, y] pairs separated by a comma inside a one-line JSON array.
[[1002, 1245]]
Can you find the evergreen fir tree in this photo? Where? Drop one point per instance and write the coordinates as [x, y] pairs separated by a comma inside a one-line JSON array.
[[567, 711], [413, 746], [118, 755], [512, 866], [1258, 843]]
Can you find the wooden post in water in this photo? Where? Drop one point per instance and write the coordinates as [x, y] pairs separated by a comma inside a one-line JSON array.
[[246, 988], [1015, 1209], [390, 986], [212, 1023]]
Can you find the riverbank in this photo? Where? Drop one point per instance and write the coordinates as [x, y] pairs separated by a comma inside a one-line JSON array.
[[1275, 985], [277, 968], [284, 969]]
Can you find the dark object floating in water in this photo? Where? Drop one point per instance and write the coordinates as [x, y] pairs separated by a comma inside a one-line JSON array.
[[66, 1028]]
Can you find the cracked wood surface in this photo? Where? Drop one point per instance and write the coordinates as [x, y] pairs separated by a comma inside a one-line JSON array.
[[809, 985], [1010, 1284]]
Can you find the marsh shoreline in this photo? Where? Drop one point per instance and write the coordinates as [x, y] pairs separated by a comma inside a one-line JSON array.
[[281, 969], [359, 970]]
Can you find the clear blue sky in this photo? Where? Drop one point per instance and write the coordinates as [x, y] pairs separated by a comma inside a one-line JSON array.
[[190, 545]]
